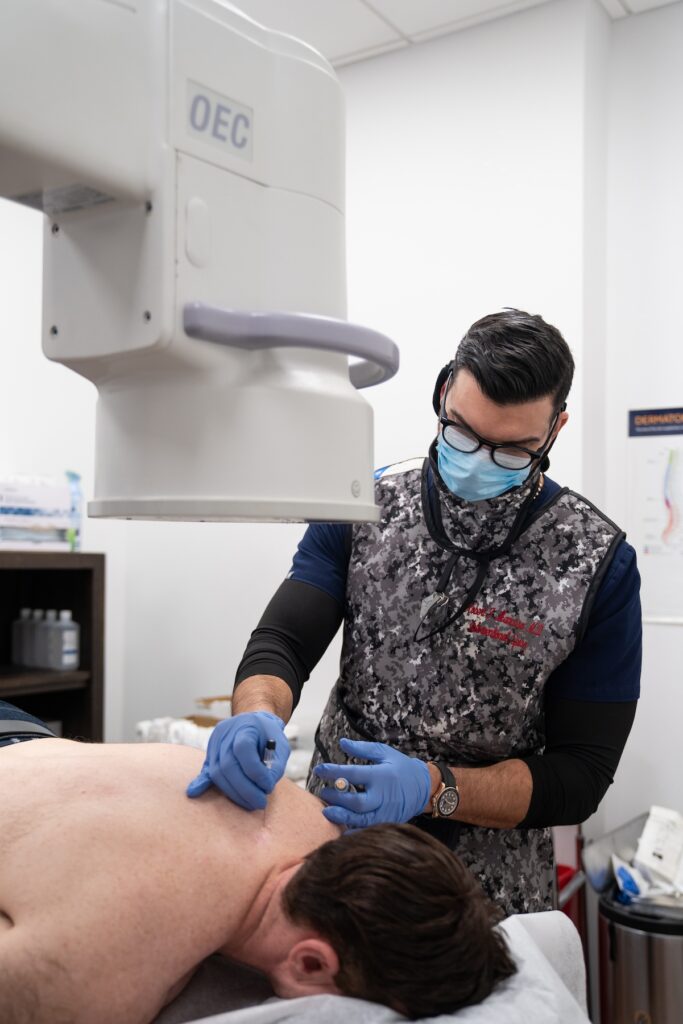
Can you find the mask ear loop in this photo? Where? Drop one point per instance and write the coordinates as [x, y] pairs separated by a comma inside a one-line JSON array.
[[545, 461], [444, 374]]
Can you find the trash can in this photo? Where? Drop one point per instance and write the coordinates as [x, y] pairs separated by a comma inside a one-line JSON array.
[[641, 962], [640, 944]]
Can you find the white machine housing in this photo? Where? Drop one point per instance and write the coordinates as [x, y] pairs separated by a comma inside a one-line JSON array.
[[191, 166]]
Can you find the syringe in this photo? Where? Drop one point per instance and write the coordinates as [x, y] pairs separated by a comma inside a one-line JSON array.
[[269, 754], [343, 785]]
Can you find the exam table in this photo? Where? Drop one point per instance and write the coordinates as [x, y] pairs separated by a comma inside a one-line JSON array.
[[548, 988]]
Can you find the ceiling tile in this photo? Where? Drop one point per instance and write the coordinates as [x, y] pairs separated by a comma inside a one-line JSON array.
[[337, 28], [640, 6], [417, 19], [615, 8], [374, 51]]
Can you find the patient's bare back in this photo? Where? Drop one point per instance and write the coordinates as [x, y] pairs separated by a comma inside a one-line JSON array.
[[114, 885]]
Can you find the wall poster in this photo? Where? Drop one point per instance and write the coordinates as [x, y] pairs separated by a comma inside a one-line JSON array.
[[655, 508]]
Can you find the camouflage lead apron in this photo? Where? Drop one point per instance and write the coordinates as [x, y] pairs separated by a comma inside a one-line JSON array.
[[471, 694]]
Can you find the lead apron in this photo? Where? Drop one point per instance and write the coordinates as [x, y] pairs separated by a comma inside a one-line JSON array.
[[472, 694]]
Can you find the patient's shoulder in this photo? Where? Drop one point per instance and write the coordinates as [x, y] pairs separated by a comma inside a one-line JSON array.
[[295, 817]]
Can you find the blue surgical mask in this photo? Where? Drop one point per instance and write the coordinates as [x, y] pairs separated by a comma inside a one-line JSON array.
[[474, 476]]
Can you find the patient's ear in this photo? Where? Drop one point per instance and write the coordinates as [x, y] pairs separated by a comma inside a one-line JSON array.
[[308, 970]]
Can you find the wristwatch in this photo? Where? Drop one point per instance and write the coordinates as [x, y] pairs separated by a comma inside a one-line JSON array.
[[447, 797]]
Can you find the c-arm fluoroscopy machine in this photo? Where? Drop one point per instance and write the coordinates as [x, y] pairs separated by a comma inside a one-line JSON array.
[[190, 164]]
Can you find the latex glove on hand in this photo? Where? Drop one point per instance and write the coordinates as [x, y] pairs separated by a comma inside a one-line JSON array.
[[397, 787], [234, 759]]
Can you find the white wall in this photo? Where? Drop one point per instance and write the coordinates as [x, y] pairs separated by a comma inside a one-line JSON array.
[[645, 353], [598, 39], [194, 593], [465, 195]]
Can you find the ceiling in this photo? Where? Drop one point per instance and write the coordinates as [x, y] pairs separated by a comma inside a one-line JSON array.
[[346, 31]]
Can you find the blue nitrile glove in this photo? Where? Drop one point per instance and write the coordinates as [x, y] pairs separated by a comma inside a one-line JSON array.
[[234, 759], [397, 788]]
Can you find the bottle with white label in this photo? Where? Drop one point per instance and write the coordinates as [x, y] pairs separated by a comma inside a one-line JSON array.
[[34, 623], [20, 628], [42, 638], [63, 645]]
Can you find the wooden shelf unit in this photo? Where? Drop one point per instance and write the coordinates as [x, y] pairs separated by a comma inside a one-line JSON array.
[[33, 579]]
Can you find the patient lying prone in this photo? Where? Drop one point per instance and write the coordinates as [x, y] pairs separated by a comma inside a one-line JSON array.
[[114, 887]]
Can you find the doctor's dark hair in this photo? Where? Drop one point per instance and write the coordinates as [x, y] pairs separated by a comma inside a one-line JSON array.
[[517, 357], [410, 924]]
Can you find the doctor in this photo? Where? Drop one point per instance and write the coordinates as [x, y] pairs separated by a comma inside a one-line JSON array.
[[492, 633]]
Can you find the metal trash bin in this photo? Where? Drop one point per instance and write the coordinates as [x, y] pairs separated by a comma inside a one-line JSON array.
[[641, 962], [640, 944]]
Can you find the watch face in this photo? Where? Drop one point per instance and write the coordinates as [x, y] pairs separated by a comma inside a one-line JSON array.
[[448, 802]]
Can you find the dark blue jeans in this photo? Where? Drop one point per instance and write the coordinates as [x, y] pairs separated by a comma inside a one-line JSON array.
[[16, 725]]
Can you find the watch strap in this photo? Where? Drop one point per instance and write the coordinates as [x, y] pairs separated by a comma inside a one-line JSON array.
[[447, 776]]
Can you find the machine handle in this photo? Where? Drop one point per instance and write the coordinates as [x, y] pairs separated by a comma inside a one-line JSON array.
[[256, 331]]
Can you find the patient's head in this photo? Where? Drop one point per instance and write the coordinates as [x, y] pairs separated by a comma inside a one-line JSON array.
[[409, 923]]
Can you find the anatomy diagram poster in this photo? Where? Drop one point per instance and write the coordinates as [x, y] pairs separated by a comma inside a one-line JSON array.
[[656, 508]]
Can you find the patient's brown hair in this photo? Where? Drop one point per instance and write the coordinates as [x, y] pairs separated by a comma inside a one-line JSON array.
[[410, 924]]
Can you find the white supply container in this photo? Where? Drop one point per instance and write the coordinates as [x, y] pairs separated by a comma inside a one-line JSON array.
[[63, 643], [32, 637], [42, 634], [20, 629]]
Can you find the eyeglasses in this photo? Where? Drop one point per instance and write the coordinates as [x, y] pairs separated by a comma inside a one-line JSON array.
[[507, 456]]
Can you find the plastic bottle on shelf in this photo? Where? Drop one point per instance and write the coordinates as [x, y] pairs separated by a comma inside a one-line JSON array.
[[20, 628], [63, 652], [42, 638], [34, 623]]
